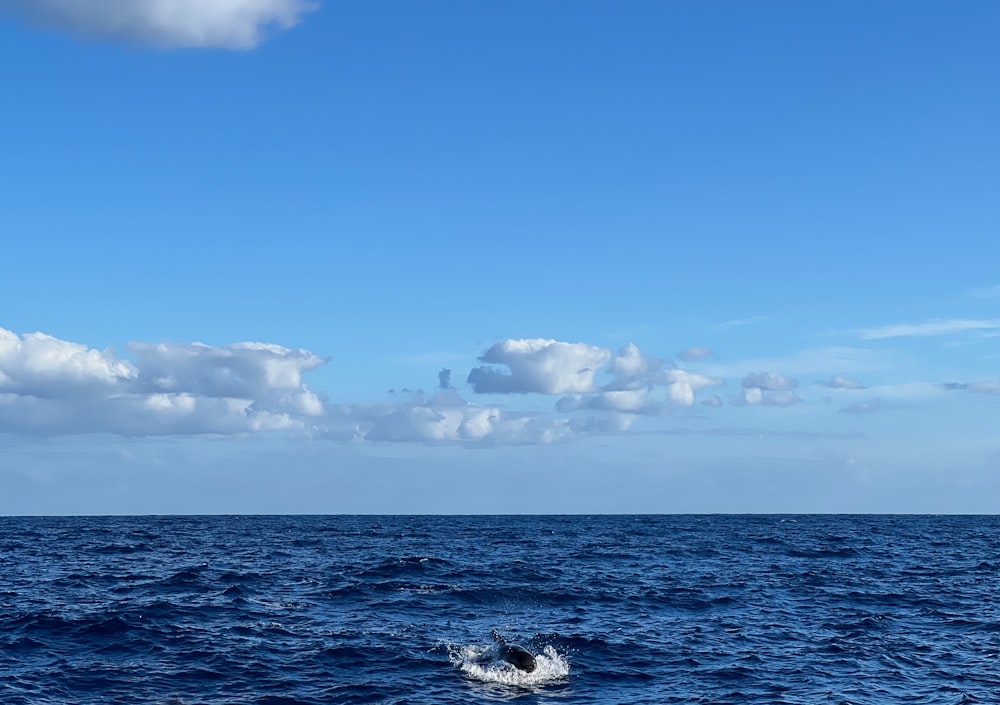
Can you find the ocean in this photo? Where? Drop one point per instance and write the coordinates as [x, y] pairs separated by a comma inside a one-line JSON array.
[[270, 610]]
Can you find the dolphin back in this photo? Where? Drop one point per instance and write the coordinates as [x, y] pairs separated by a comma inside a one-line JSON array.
[[518, 657]]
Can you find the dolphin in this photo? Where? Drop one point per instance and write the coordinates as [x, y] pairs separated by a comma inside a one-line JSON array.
[[517, 656]]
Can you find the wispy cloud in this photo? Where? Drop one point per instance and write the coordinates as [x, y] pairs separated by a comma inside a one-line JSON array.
[[224, 24], [868, 407], [977, 387], [695, 354], [741, 322], [928, 328], [813, 361], [985, 292]]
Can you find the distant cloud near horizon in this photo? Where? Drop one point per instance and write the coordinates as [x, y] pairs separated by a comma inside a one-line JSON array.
[[769, 389], [868, 407], [54, 387], [164, 24], [841, 382], [51, 387], [977, 387]]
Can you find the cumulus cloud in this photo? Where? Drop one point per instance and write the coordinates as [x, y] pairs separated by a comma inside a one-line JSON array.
[[632, 363], [226, 24], [538, 365], [50, 386], [715, 401], [634, 378], [841, 382], [769, 389], [266, 373], [682, 386], [695, 354], [769, 381], [632, 369], [43, 366]]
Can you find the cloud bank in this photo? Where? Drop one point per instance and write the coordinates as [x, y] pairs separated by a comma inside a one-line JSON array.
[[446, 418], [167, 24], [50, 386]]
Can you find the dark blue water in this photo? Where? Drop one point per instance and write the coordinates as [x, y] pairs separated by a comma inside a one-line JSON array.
[[675, 609]]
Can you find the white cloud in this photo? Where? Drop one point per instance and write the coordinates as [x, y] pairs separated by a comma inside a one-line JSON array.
[[715, 401], [769, 389], [451, 420], [629, 362], [50, 386], [769, 381], [226, 24], [538, 365], [634, 401], [242, 370], [43, 366], [841, 382], [928, 328], [635, 377], [138, 415], [682, 386], [56, 387]]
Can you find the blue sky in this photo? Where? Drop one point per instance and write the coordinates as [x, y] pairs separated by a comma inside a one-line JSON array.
[[674, 257]]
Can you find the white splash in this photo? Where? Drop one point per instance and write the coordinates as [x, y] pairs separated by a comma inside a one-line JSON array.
[[549, 666]]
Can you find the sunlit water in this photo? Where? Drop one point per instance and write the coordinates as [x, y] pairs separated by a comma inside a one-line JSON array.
[[686, 609]]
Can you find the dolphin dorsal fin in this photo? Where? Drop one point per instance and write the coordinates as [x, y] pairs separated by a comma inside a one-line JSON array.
[[497, 638]]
